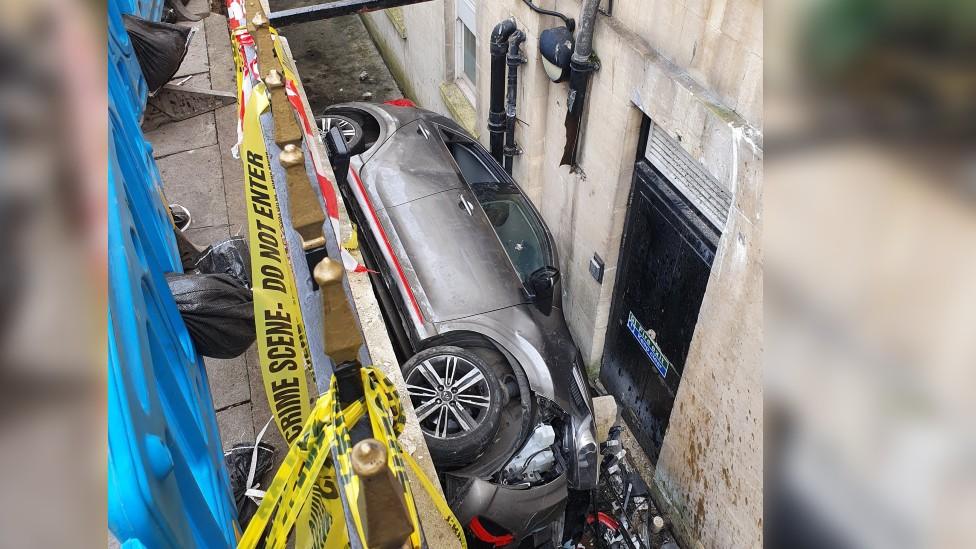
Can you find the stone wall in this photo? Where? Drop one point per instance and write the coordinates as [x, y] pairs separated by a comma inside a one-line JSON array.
[[695, 68]]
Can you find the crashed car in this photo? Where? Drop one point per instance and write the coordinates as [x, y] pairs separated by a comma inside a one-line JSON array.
[[465, 271]]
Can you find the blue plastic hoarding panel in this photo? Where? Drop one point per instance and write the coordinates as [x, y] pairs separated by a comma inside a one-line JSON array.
[[167, 483]]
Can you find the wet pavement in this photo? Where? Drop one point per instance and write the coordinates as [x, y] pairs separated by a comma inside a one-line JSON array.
[[332, 57]]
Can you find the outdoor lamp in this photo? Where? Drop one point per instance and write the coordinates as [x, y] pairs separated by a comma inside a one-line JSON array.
[[556, 46]]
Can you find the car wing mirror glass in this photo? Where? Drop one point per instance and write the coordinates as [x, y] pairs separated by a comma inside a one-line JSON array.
[[542, 284]]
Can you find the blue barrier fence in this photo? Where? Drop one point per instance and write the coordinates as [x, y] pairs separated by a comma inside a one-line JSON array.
[[167, 485]]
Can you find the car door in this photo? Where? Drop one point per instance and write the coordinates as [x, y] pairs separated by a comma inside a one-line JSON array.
[[516, 224], [454, 255]]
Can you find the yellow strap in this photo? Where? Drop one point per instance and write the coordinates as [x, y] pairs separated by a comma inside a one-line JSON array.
[[307, 485], [438, 499]]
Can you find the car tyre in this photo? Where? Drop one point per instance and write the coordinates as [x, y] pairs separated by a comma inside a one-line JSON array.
[[350, 128], [458, 400]]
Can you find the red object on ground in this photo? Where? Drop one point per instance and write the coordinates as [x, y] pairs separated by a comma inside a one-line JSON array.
[[484, 535], [402, 102], [604, 519]]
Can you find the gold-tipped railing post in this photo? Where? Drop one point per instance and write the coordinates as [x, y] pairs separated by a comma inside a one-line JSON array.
[[381, 505]]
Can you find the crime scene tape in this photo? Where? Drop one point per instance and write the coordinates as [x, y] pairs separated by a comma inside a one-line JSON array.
[[322, 454], [278, 318], [315, 492]]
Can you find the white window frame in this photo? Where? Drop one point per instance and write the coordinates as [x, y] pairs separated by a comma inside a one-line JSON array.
[[465, 17]]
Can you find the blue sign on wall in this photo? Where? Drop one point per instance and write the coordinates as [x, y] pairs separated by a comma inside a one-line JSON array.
[[647, 343]]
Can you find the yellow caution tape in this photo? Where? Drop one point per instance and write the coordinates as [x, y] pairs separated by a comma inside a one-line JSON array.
[[323, 442], [314, 492], [282, 347]]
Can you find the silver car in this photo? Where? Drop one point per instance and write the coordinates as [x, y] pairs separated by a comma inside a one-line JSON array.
[[465, 270]]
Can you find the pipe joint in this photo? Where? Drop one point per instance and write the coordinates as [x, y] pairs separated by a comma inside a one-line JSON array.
[[589, 64], [496, 121], [500, 34]]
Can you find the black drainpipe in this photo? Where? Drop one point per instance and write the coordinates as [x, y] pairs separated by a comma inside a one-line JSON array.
[[496, 110], [581, 65], [514, 59]]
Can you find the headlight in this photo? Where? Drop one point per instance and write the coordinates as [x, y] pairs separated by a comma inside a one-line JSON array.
[[586, 472]]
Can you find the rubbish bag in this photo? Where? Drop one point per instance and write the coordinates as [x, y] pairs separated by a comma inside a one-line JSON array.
[[160, 48], [189, 252], [238, 461], [218, 311], [230, 257]]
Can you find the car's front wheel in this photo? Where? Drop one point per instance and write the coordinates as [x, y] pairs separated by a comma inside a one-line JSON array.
[[458, 401]]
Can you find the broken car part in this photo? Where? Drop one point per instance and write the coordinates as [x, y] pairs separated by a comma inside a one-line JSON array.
[[533, 459]]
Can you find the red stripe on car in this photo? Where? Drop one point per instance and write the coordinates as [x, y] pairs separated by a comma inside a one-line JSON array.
[[386, 242]]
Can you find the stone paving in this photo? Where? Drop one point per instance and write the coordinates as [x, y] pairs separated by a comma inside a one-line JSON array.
[[199, 172]]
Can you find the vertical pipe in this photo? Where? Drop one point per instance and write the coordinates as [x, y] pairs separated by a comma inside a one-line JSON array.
[[514, 59], [579, 78], [496, 109]]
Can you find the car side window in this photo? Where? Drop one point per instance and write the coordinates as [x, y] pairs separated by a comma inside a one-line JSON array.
[[472, 167], [515, 223], [511, 216]]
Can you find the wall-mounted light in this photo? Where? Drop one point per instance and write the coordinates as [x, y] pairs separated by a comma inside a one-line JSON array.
[[556, 46]]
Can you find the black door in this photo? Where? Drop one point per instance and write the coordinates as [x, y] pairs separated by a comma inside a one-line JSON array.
[[665, 259]]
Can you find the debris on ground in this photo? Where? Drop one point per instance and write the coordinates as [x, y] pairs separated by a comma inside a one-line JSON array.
[[247, 465], [624, 516]]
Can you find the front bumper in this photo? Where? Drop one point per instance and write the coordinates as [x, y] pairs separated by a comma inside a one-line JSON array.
[[519, 511]]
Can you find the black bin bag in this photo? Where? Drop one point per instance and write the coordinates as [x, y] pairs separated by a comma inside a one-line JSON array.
[[230, 257], [160, 48], [218, 312]]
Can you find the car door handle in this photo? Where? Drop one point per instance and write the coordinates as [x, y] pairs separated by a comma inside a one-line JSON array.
[[465, 205]]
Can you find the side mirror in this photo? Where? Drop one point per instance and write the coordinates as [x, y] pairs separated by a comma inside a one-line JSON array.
[[338, 152], [542, 284]]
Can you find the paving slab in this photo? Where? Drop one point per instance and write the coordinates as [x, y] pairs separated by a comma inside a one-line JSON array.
[[235, 426], [199, 81], [260, 409], [228, 381], [196, 60], [205, 236], [233, 171], [198, 7], [192, 133], [222, 71], [193, 179]]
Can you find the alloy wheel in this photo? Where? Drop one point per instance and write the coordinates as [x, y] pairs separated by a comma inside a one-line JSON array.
[[450, 396]]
